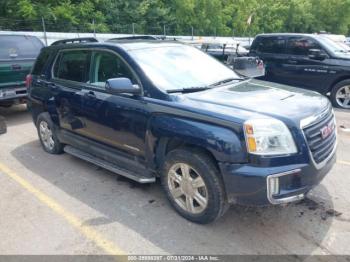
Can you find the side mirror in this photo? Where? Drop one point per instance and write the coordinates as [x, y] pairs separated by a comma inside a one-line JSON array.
[[3, 127], [317, 54], [122, 85]]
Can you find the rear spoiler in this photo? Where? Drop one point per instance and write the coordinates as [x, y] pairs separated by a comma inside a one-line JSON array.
[[76, 41]]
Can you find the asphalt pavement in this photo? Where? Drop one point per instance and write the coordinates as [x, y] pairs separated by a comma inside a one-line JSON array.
[[58, 204]]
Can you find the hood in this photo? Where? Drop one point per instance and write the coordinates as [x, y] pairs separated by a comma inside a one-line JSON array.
[[252, 98], [344, 56]]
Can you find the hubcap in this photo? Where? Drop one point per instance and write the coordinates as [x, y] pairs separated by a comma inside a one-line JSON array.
[[343, 96], [187, 188], [46, 135]]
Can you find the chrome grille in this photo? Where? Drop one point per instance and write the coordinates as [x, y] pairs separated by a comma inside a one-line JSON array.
[[321, 147]]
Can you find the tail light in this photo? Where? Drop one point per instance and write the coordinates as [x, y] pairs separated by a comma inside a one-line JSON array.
[[28, 81]]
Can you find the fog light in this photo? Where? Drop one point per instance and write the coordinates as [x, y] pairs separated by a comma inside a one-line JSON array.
[[274, 186]]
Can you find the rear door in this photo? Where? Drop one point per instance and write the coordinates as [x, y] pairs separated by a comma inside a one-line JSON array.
[[70, 76], [17, 55], [271, 49]]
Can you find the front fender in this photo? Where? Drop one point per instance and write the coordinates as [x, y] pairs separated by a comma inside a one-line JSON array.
[[222, 142]]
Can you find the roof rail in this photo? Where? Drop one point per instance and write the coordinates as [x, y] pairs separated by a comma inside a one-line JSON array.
[[75, 40], [136, 37]]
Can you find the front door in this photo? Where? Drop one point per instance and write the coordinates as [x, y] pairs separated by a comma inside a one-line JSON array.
[[119, 121], [302, 70]]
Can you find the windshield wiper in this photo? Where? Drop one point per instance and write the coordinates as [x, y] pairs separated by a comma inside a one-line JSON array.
[[224, 81], [189, 89], [342, 51]]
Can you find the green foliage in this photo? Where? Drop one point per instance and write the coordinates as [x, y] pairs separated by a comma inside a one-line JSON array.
[[206, 17]]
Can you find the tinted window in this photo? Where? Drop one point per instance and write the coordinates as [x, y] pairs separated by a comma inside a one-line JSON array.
[[73, 65], [301, 45], [107, 65], [271, 45], [18, 46], [40, 62]]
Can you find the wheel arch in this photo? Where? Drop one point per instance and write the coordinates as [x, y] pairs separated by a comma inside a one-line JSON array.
[[338, 80], [166, 132], [167, 144]]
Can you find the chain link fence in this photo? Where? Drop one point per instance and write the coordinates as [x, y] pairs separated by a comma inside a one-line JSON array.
[[93, 29]]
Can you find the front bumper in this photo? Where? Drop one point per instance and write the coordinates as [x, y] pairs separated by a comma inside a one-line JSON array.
[[251, 185]]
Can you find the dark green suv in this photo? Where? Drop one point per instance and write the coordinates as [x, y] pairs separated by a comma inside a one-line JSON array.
[[17, 55]]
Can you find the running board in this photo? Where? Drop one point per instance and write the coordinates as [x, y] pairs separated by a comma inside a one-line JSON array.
[[107, 165]]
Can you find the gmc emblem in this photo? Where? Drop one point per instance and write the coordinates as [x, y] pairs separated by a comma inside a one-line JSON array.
[[327, 130]]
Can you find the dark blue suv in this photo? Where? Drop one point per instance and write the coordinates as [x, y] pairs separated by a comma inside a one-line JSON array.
[[308, 61], [157, 109]]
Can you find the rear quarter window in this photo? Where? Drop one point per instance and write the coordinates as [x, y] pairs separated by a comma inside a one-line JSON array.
[[19, 47]]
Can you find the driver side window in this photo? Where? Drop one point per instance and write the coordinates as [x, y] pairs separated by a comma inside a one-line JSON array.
[[301, 46], [107, 65]]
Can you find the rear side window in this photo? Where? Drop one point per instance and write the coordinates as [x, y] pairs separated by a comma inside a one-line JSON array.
[[271, 45], [19, 47], [301, 45], [73, 65], [41, 62]]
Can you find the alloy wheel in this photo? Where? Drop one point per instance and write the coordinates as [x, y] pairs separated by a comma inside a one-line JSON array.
[[187, 188], [343, 96], [46, 135]]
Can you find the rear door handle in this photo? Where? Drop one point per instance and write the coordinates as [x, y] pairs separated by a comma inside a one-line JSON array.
[[52, 86]]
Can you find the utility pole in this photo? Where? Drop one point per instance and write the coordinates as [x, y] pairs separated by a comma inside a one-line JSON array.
[[94, 27], [192, 32], [44, 29], [164, 31], [133, 29]]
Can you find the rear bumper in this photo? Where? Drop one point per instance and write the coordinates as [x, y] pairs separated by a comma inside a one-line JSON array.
[[13, 93], [255, 186]]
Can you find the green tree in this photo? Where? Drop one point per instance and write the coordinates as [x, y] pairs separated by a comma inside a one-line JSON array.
[[207, 17]]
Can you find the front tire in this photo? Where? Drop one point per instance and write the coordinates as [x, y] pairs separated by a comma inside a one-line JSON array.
[[47, 134], [193, 185], [340, 95]]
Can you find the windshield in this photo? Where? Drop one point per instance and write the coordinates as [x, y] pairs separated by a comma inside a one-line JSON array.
[[181, 66], [334, 46]]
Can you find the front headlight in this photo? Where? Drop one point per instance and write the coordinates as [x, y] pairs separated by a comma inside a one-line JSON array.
[[268, 136]]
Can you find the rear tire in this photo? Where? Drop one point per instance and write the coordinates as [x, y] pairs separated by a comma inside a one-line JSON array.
[[193, 185], [6, 104], [340, 94], [47, 134], [3, 127]]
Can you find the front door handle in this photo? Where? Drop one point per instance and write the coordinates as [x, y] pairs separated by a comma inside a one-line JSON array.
[[90, 94]]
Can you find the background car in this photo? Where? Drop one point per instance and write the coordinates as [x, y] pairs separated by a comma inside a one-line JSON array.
[[309, 61], [17, 56]]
